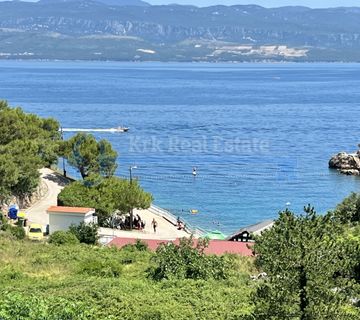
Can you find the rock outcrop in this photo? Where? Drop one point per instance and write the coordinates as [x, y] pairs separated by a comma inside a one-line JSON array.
[[346, 163]]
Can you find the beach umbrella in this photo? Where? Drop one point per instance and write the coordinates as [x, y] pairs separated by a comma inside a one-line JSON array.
[[215, 235]]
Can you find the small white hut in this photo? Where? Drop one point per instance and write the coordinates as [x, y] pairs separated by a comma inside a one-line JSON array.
[[61, 218]]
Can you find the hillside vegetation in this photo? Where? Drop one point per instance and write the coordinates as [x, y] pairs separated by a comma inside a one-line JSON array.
[[106, 30], [309, 264], [39, 281]]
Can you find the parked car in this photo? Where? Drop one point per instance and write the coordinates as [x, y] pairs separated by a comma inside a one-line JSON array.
[[35, 232]]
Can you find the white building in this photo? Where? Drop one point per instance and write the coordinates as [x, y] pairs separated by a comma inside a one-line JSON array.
[[61, 218]]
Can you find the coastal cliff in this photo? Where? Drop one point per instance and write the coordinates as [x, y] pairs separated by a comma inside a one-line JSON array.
[[346, 163]]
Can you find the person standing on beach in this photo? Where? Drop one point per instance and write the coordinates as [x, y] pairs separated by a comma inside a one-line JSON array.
[[154, 224]]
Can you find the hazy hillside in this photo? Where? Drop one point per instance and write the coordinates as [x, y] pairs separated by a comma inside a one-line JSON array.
[[107, 2], [70, 29]]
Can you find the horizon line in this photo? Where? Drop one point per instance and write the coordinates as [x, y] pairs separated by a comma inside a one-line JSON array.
[[207, 6]]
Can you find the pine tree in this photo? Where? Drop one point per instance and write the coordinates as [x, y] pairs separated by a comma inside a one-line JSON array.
[[308, 269]]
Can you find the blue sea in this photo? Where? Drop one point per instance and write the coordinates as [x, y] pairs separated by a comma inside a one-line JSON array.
[[259, 135]]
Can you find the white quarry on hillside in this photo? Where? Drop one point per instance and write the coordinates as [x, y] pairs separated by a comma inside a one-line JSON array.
[[149, 51], [265, 51]]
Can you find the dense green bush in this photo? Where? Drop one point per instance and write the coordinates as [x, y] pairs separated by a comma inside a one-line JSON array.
[[4, 225], [86, 233], [138, 246], [22, 306], [101, 267], [348, 211], [18, 232], [184, 261], [63, 237]]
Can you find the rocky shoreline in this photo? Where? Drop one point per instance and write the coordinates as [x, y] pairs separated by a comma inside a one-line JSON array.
[[346, 163]]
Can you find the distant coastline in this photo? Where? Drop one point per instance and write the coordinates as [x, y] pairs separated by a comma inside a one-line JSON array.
[[179, 33], [276, 62]]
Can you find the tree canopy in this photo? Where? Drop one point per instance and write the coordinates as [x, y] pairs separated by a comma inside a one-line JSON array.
[[309, 269], [348, 211], [17, 125], [90, 156], [106, 195], [27, 143]]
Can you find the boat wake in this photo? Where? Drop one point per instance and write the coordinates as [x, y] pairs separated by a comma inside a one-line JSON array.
[[119, 129]]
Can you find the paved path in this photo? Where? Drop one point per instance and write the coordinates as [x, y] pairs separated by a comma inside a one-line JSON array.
[[164, 231], [54, 183]]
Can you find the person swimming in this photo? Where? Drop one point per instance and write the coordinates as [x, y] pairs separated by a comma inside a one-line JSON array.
[[194, 173]]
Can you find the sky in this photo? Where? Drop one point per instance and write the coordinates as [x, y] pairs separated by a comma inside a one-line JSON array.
[[266, 3]]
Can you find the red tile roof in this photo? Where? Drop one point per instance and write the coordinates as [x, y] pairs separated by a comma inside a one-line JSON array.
[[218, 247], [58, 209]]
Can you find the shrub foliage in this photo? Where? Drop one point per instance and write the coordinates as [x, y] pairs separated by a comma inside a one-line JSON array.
[[78, 282], [85, 233], [63, 237], [187, 261]]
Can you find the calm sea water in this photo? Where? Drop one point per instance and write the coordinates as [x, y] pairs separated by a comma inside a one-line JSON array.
[[260, 135]]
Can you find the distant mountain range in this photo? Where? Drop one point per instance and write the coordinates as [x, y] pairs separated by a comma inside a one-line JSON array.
[[134, 30], [120, 3]]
